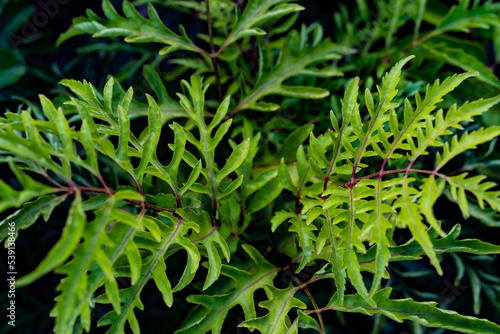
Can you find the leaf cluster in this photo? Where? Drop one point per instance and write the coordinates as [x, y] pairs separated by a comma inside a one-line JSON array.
[[248, 201]]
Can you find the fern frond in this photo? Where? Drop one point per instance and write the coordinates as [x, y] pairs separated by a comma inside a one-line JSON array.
[[280, 302], [443, 124], [461, 59], [133, 27], [461, 18], [28, 214], [210, 315], [295, 58], [481, 190], [194, 106], [63, 249], [412, 250], [257, 12], [424, 313], [153, 269], [468, 141]]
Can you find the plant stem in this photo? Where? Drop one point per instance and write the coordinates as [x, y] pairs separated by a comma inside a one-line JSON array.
[[212, 48], [143, 202], [309, 295], [395, 171], [112, 192]]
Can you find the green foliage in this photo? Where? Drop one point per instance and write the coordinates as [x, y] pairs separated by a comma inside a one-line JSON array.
[[423, 313], [318, 197]]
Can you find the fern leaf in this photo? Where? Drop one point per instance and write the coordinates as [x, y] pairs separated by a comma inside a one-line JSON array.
[[294, 60], [350, 234], [63, 249], [433, 96], [412, 250], [76, 279], [461, 18], [459, 58], [442, 124], [209, 238], [411, 217], [29, 214], [481, 190], [209, 316], [257, 12], [153, 269], [349, 106], [133, 26], [206, 144], [424, 313], [280, 302], [467, 141]]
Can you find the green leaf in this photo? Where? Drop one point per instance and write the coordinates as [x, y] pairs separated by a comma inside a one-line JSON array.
[[461, 59], [124, 125], [295, 60], [147, 153], [220, 113], [306, 240], [453, 118], [349, 106], [12, 68], [411, 217], [289, 147], [88, 144], [461, 18], [234, 161], [279, 217], [28, 215], [279, 303], [257, 12], [72, 287], [63, 249], [209, 237], [211, 313], [424, 313], [430, 192], [265, 195], [161, 281], [412, 250], [481, 190], [476, 290], [133, 26], [130, 296], [467, 141]]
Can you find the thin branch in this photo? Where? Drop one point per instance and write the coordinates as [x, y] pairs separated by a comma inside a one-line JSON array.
[[303, 286], [112, 192], [46, 175], [415, 43], [213, 55]]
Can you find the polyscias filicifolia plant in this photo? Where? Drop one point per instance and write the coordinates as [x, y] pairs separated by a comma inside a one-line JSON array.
[[232, 199]]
